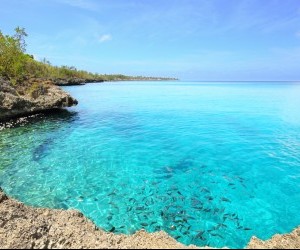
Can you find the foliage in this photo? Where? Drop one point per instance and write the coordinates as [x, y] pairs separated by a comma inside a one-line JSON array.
[[16, 65], [12, 54]]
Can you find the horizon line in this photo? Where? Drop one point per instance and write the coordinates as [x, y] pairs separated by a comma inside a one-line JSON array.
[[241, 80]]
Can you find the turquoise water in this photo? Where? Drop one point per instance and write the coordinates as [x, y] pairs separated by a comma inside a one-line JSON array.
[[211, 164]]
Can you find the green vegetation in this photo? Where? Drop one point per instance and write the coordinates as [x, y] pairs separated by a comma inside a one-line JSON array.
[[13, 59], [16, 65]]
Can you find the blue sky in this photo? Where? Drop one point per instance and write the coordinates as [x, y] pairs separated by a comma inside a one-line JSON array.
[[189, 39]]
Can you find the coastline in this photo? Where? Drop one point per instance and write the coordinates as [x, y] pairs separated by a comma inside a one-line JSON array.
[[22, 226], [31, 97], [39, 95], [81, 81], [25, 227]]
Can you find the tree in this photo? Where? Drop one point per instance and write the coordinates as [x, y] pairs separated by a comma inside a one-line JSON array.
[[20, 38], [12, 57]]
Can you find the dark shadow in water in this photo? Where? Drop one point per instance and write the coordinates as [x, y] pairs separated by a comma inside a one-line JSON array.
[[40, 151], [56, 121], [49, 122], [59, 115], [50, 115], [183, 165], [124, 124]]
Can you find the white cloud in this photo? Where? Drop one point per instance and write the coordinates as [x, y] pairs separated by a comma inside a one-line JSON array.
[[105, 38]]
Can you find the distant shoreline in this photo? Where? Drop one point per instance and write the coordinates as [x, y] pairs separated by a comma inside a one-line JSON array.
[[79, 81], [239, 81]]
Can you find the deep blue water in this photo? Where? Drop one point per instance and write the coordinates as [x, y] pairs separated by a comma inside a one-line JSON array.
[[211, 164]]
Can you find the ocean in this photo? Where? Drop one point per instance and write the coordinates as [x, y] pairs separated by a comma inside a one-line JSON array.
[[212, 164]]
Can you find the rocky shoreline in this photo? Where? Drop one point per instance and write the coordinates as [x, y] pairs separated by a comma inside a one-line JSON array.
[[74, 81], [36, 95], [278, 241], [33, 96], [80, 81], [26, 227]]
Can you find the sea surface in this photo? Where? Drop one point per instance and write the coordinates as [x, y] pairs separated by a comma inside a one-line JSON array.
[[209, 163]]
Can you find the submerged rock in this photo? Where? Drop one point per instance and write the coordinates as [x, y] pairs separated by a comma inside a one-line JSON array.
[[32, 97]]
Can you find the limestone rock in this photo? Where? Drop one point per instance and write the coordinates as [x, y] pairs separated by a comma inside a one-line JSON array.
[[32, 98], [284, 241], [25, 227], [74, 81]]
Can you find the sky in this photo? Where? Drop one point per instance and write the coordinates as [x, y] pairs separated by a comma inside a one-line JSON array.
[[208, 40]]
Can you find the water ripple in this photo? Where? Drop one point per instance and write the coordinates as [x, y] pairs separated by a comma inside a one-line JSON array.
[[210, 165]]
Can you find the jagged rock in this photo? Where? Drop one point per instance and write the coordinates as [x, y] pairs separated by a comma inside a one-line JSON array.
[[69, 82], [26, 227], [32, 98], [74, 81], [3, 196], [278, 241], [23, 227]]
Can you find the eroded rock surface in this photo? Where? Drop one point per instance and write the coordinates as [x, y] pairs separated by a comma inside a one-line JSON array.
[[284, 241], [74, 81], [25, 227], [36, 96]]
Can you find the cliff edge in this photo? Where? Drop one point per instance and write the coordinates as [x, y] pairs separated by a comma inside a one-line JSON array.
[[34, 96]]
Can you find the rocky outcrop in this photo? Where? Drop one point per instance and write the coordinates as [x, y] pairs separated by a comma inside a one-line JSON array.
[[33, 97], [22, 227], [25, 227], [73, 81], [284, 241]]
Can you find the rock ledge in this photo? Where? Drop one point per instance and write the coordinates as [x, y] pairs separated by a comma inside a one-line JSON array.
[[34, 97]]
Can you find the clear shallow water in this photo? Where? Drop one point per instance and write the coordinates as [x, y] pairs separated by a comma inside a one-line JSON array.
[[211, 164]]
